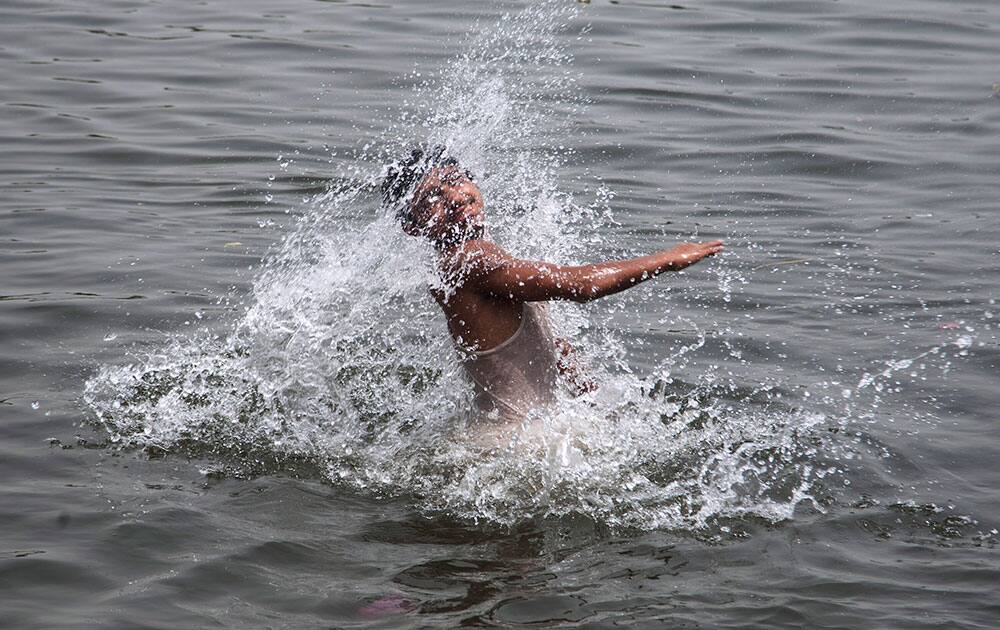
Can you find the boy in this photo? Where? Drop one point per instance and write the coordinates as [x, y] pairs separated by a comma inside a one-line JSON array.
[[491, 300]]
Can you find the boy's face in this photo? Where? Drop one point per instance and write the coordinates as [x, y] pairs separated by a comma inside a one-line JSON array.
[[448, 203]]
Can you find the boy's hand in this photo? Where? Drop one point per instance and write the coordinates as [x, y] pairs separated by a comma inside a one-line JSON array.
[[687, 254]]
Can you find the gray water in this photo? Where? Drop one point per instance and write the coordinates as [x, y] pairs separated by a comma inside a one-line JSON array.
[[227, 399]]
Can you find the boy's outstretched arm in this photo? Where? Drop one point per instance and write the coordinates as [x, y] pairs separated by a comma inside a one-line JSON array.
[[485, 266]]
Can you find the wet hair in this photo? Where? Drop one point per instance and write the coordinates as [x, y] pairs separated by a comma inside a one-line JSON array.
[[403, 177]]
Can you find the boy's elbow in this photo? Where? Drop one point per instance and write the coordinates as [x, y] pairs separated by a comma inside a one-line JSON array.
[[576, 287], [585, 293]]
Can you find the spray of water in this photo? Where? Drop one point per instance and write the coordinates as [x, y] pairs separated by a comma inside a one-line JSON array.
[[341, 358]]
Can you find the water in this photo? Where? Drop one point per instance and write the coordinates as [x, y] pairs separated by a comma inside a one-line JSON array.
[[228, 398]]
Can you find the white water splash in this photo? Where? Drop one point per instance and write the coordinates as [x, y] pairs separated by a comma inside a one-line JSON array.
[[343, 360]]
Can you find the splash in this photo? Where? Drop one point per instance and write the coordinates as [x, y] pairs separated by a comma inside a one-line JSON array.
[[342, 359]]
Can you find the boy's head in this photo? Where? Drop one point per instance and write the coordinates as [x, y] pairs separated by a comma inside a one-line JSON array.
[[434, 198]]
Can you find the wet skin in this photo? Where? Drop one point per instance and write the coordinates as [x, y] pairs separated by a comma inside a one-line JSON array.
[[490, 286]]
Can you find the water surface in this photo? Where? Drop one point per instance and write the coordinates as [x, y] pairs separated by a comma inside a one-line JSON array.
[[227, 400]]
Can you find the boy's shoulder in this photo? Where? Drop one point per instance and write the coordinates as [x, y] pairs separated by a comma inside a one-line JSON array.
[[474, 254], [472, 261]]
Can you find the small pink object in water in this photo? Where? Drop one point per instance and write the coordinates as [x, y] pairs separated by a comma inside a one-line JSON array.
[[388, 605], [949, 326]]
